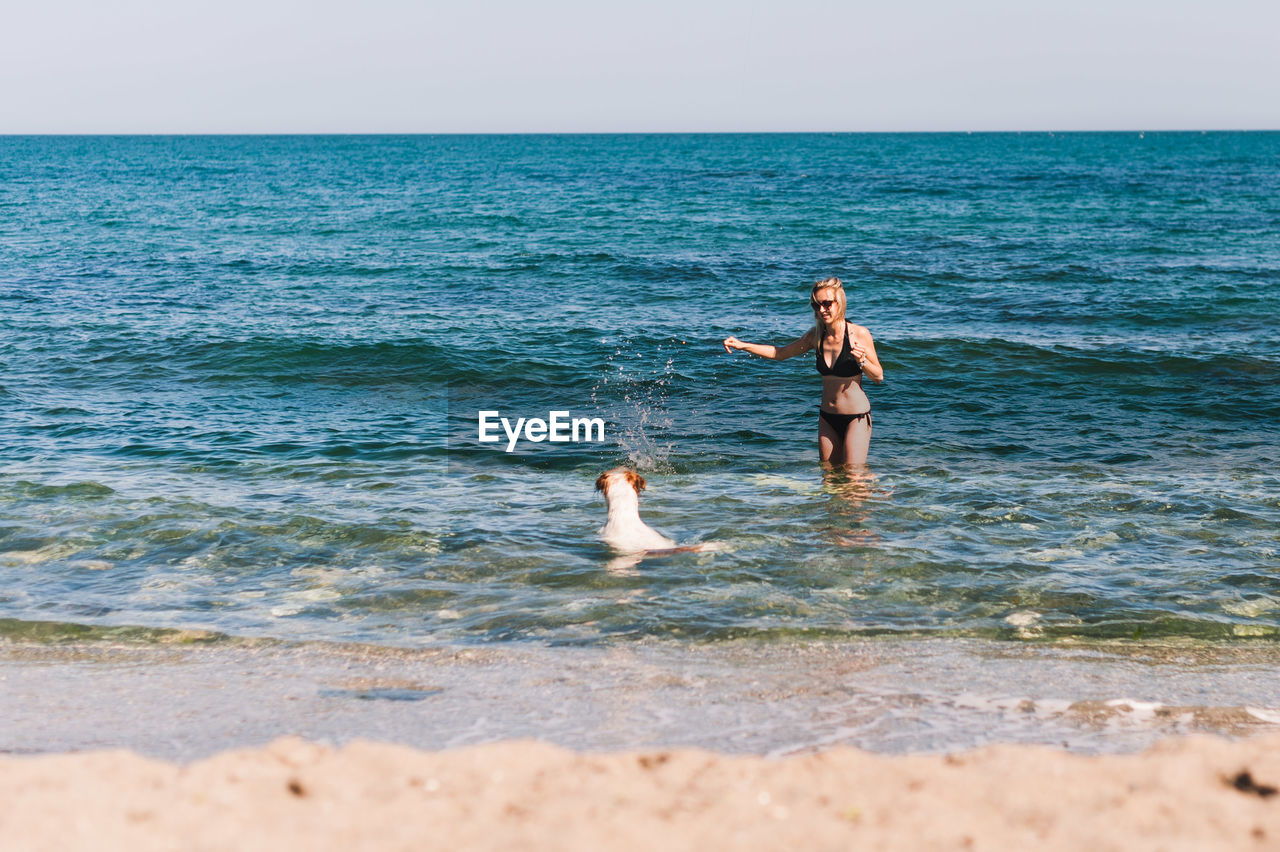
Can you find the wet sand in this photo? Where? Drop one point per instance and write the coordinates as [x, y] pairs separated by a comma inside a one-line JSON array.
[[181, 697]]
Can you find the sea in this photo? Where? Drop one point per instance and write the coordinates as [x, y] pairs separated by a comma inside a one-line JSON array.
[[243, 382]]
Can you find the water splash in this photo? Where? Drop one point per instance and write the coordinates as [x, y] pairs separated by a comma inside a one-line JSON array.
[[634, 393]]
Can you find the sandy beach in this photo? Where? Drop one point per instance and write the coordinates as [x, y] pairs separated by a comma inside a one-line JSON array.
[[1193, 793]]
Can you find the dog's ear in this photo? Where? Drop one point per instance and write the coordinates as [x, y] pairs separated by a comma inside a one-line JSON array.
[[636, 480], [601, 480]]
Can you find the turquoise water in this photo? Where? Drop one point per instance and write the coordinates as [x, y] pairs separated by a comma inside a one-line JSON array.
[[241, 379]]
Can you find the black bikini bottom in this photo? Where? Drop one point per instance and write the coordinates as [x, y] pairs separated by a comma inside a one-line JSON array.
[[840, 422]]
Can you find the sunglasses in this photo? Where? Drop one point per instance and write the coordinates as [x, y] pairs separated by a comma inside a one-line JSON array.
[[828, 304]]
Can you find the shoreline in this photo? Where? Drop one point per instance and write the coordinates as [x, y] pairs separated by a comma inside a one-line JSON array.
[[1193, 793], [183, 702]]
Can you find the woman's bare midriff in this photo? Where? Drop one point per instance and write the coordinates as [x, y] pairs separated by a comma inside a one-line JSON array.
[[844, 395]]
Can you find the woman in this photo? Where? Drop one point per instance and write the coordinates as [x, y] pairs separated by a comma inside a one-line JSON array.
[[845, 353]]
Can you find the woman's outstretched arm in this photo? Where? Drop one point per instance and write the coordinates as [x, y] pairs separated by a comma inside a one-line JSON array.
[[796, 347]]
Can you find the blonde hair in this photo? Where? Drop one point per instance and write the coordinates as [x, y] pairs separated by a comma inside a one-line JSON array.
[[842, 301]]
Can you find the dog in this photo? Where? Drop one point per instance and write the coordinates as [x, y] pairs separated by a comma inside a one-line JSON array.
[[624, 531]]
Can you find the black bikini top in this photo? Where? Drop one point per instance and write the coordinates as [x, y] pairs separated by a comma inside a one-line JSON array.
[[846, 366]]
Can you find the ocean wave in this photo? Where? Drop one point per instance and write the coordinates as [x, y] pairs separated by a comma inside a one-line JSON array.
[[1177, 360], [299, 360]]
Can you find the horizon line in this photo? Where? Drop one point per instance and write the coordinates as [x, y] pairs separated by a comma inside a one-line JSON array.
[[1049, 132]]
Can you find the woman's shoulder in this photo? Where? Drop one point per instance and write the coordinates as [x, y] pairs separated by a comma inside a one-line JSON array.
[[858, 330]]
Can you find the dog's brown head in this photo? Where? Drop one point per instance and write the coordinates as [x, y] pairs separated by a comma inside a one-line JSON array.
[[632, 478]]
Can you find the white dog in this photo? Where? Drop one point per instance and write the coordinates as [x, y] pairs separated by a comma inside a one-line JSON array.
[[624, 530]]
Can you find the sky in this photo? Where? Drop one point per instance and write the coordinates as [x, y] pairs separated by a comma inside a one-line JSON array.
[[485, 66]]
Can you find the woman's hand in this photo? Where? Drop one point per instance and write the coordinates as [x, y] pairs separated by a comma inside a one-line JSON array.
[[864, 349], [731, 343]]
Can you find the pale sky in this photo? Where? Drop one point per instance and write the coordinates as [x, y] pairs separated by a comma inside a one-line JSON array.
[[392, 66]]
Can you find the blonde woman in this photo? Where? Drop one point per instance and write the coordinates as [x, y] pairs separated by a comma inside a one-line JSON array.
[[845, 353]]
